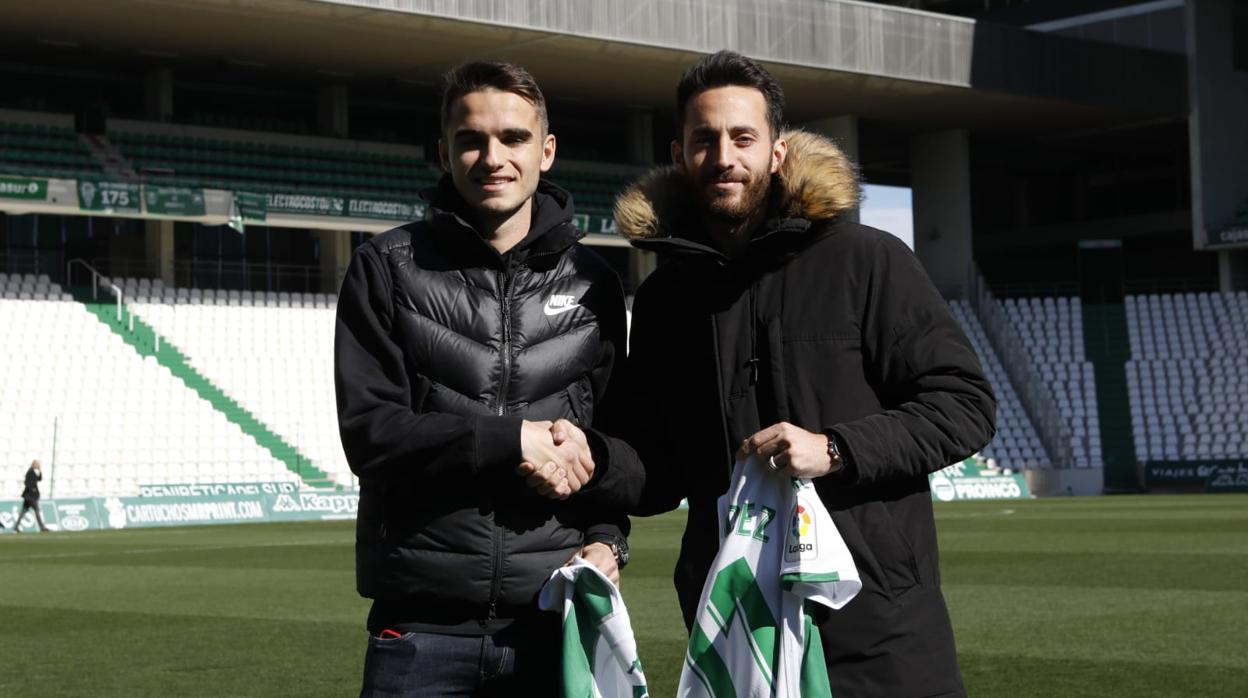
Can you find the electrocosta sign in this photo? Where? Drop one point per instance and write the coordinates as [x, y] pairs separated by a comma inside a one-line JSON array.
[[966, 480], [339, 206]]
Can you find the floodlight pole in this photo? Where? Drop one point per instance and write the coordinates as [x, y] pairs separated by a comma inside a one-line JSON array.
[[52, 476]]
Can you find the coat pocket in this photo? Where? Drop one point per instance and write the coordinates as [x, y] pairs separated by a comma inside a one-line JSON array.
[[825, 378], [888, 548], [581, 403]]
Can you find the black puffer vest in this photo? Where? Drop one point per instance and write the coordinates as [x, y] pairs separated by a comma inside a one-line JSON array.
[[483, 334]]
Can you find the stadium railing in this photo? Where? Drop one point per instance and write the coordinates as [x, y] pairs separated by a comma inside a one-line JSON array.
[[242, 275], [1034, 392], [1016, 445]]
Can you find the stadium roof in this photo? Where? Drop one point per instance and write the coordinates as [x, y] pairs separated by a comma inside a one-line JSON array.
[[834, 57]]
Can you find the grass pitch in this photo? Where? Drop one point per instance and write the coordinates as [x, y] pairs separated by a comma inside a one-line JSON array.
[[1132, 596]]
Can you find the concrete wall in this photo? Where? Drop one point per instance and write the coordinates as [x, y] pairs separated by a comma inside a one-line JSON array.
[[844, 35], [158, 249], [1217, 118], [335, 248], [1233, 270], [941, 188], [1058, 482]]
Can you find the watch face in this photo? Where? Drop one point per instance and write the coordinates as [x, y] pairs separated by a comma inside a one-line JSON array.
[[620, 548]]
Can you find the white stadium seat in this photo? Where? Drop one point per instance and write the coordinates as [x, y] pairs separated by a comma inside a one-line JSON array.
[[1017, 444], [109, 412], [1052, 331], [270, 352], [1188, 375]]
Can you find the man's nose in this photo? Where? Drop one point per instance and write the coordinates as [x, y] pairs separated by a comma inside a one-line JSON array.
[[723, 153], [493, 156]]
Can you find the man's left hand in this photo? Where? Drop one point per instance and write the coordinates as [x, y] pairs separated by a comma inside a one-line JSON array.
[[599, 555], [793, 450], [563, 432]]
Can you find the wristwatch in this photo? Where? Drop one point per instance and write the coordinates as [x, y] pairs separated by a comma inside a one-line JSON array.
[[834, 453], [618, 545]]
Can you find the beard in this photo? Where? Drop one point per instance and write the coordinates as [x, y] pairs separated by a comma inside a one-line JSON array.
[[731, 209]]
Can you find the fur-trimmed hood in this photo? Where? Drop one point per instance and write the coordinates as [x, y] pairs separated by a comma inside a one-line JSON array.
[[817, 182]]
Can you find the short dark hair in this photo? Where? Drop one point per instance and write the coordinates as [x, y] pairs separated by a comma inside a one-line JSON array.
[[492, 75], [728, 68]]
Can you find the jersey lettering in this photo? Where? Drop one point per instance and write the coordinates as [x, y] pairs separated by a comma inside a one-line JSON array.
[[750, 520]]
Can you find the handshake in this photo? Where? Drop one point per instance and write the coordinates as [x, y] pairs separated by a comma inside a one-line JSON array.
[[557, 460]]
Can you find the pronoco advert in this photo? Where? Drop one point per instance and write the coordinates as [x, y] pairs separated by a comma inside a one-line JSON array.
[[965, 481]]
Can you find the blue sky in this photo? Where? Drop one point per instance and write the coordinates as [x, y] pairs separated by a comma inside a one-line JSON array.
[[889, 208]]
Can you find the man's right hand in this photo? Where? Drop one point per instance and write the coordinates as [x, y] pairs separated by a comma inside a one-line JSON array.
[[555, 470]]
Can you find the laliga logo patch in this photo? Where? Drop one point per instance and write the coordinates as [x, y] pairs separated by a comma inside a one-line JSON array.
[[801, 543], [801, 521]]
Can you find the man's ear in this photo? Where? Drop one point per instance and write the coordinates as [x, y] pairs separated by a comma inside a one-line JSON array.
[[678, 155], [548, 152], [444, 155], [779, 151]]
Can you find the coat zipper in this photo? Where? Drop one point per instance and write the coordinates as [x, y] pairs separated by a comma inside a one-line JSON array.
[[506, 278], [496, 534], [496, 582]]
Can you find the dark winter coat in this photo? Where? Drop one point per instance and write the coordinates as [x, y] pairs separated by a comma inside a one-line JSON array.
[[442, 348], [834, 327], [30, 493]]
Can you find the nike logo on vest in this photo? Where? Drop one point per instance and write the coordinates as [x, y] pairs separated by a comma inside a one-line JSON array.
[[559, 304]]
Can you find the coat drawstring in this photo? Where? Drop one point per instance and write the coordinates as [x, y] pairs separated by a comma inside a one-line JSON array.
[[753, 362]]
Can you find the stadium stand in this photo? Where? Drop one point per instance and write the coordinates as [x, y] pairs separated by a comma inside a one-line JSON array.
[[242, 160], [593, 192], [1188, 375], [249, 123], [1016, 445], [259, 166], [44, 150], [270, 352], [256, 165], [258, 347], [1052, 330], [30, 287], [105, 418]]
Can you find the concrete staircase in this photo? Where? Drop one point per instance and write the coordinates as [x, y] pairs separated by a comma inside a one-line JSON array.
[[1108, 346], [116, 167], [146, 342]]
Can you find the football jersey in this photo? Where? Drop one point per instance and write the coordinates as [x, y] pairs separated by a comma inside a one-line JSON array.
[[599, 652], [779, 553]]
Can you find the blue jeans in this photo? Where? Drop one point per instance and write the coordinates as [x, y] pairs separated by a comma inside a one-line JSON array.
[[518, 661]]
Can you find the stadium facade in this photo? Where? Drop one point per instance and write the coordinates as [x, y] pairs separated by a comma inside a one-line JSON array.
[[1085, 152]]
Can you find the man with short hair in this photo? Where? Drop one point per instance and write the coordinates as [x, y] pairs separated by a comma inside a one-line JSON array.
[[473, 353], [31, 496], [779, 329]]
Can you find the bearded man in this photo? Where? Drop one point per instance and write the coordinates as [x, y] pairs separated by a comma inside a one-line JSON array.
[[778, 328]]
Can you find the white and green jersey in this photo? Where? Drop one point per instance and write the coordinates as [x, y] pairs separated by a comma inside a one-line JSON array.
[[599, 652], [779, 552]]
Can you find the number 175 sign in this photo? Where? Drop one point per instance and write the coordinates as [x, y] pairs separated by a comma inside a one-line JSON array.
[[108, 196]]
